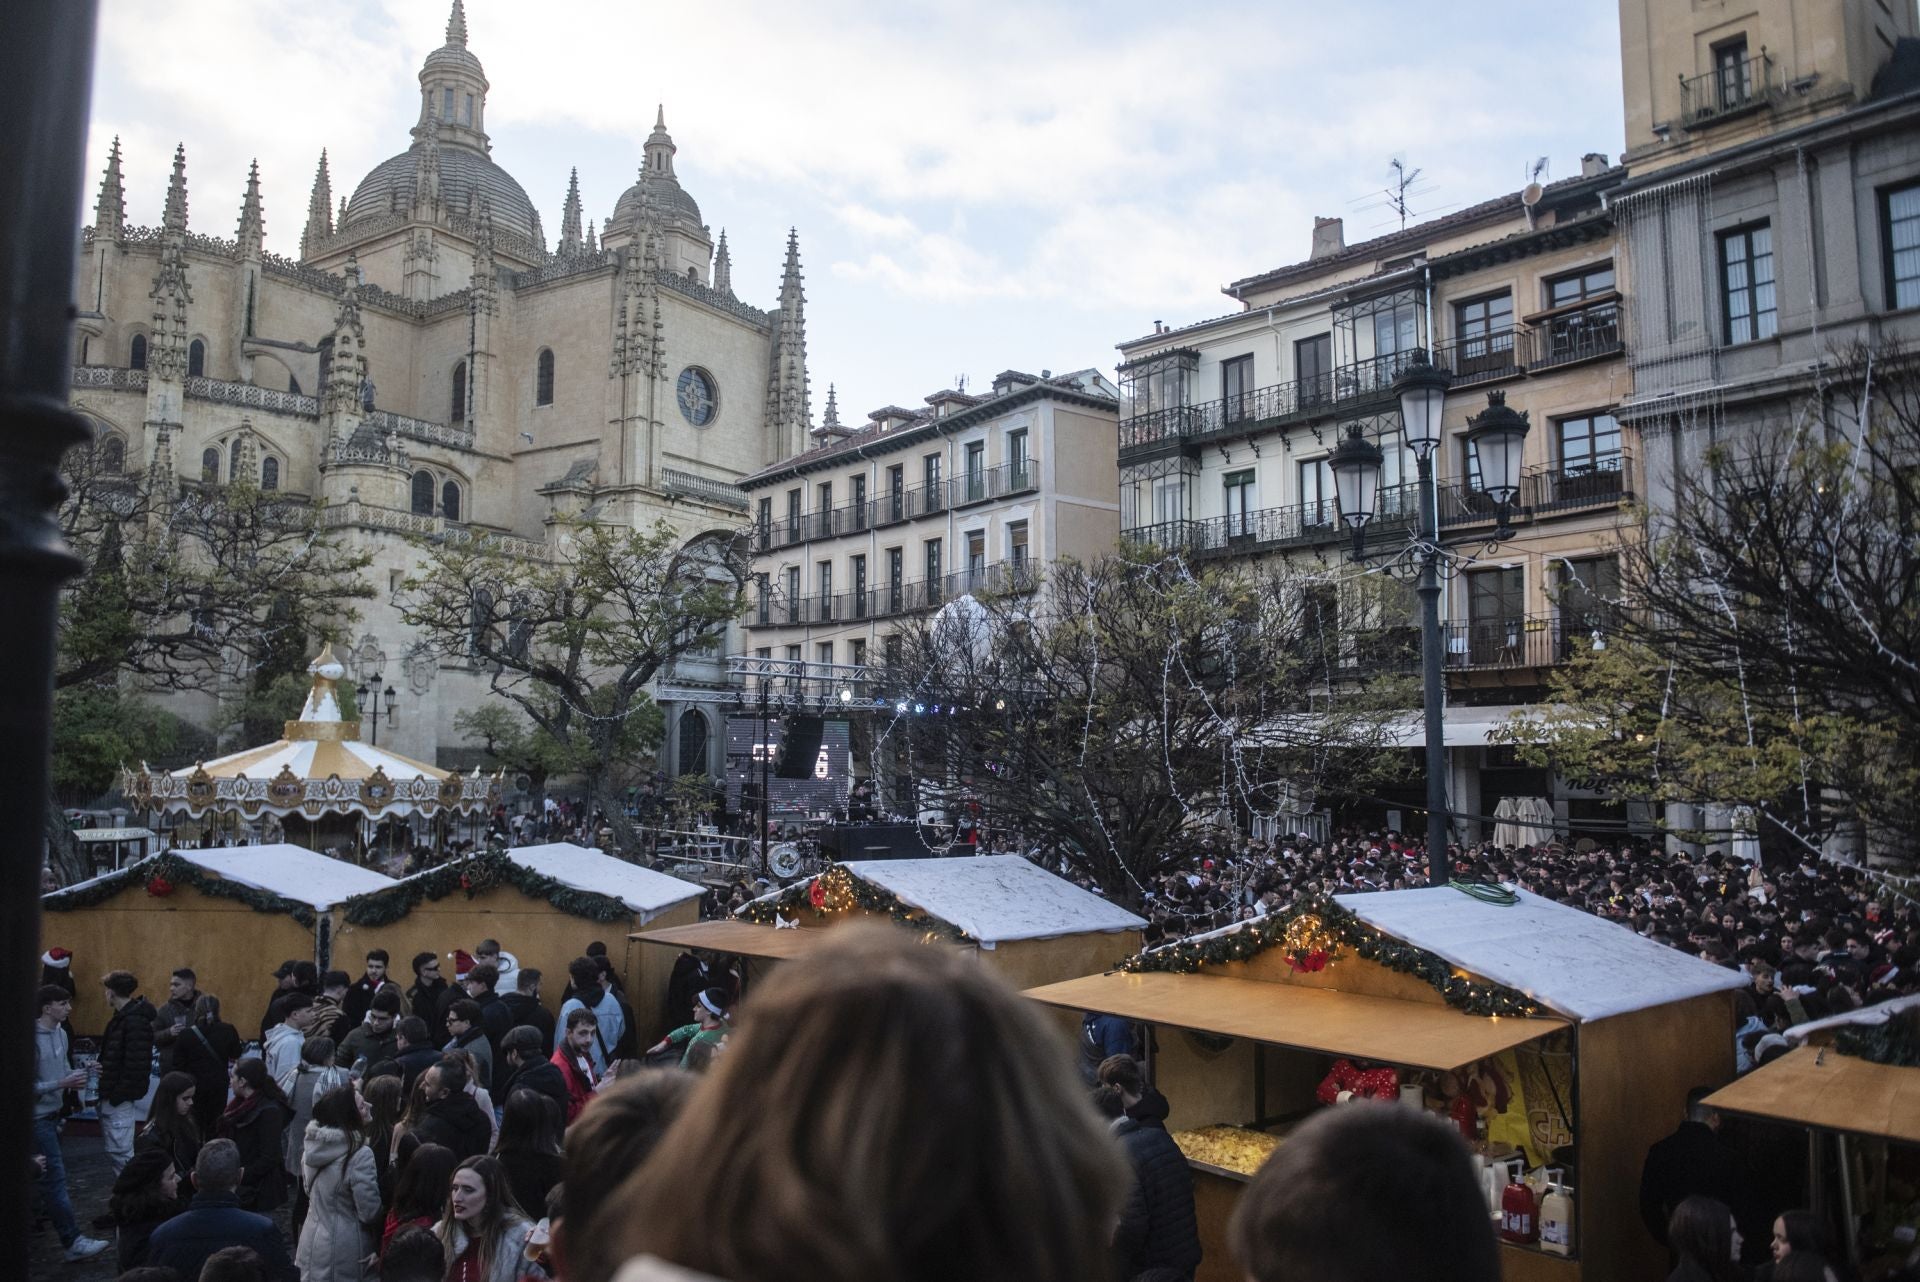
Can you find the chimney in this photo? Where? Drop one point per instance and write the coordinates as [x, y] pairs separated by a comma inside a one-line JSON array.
[[1593, 164], [1329, 237]]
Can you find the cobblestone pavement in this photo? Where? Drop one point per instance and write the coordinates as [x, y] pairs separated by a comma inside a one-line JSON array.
[[89, 1184]]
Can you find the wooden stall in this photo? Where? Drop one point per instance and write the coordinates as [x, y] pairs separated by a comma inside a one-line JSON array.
[[1021, 920], [1862, 1123], [544, 904], [233, 914], [1600, 1032]]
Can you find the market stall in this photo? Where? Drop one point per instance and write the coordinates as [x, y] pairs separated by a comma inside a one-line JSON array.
[[231, 914], [1528, 1024], [1853, 1087], [318, 784], [1024, 922], [544, 904]]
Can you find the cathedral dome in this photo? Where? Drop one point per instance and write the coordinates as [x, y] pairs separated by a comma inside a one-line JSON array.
[[461, 171], [657, 183]]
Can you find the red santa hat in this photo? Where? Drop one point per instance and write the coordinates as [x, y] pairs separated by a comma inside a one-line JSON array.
[[462, 963], [57, 957]]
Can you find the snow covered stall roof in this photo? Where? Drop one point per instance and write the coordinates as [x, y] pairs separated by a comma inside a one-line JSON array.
[[995, 898], [1568, 960], [646, 892], [291, 872]]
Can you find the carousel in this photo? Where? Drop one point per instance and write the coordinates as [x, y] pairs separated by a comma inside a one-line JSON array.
[[317, 787]]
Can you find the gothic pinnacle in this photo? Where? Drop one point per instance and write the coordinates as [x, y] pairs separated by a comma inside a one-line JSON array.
[[723, 267], [593, 238], [175, 218], [832, 419], [319, 210], [110, 211], [457, 25], [570, 216], [253, 227]]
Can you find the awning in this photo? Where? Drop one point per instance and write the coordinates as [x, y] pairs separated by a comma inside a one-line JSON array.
[[1376, 1028], [1819, 1087], [741, 938], [1461, 726]]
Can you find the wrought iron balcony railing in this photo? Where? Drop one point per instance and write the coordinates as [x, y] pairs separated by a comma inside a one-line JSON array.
[[1729, 89], [1572, 336], [890, 600]]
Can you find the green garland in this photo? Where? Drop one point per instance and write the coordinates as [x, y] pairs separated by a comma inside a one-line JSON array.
[[1896, 1042], [1262, 933], [473, 876], [796, 899], [180, 872]]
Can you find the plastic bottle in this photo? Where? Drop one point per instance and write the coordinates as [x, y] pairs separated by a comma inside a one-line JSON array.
[[1492, 1184], [1556, 1221], [1518, 1218]]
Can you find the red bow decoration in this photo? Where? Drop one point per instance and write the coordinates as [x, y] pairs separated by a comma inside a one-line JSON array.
[[1309, 962], [159, 887], [816, 893]]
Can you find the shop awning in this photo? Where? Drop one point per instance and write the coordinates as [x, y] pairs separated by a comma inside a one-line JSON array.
[[1818, 1086], [744, 939], [1377, 1028]]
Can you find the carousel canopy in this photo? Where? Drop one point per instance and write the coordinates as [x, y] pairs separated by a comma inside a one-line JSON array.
[[319, 767]]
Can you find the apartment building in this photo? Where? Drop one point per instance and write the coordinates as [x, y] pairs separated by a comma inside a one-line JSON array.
[[1226, 427], [919, 507], [1771, 219]]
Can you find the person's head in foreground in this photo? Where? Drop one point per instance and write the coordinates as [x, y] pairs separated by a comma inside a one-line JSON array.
[[1363, 1193], [927, 1124]]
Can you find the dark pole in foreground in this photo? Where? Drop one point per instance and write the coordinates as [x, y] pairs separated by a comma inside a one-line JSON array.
[[46, 66], [1432, 683]]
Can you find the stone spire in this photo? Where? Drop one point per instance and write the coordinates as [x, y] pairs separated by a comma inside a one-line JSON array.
[[319, 210], [789, 416], [340, 398], [593, 239], [175, 217], [831, 428], [340, 219], [486, 276], [253, 225], [570, 240], [723, 267], [457, 25], [426, 175], [660, 148], [110, 210]]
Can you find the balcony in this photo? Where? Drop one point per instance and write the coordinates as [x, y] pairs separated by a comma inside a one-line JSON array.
[[993, 483], [1297, 525], [1340, 390], [1605, 482], [1483, 358], [1577, 335], [1520, 641], [1514, 641], [893, 600], [1731, 89]]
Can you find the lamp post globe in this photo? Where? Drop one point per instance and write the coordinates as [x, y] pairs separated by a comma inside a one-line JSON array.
[[387, 697], [1356, 466], [1422, 390], [1497, 436]]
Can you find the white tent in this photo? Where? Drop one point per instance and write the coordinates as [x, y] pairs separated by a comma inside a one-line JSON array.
[[996, 898], [647, 892]]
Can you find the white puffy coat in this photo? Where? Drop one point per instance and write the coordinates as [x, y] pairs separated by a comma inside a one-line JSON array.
[[343, 1191]]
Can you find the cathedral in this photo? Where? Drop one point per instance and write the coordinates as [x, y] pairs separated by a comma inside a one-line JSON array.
[[430, 365]]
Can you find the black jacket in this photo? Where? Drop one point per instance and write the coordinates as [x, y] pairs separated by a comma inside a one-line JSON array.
[[527, 1011], [360, 998], [126, 1053], [414, 1061], [205, 1052], [532, 1176], [259, 1133], [213, 1221], [456, 1122], [424, 1000], [1689, 1161], [544, 1077], [1158, 1228], [1152, 1109]]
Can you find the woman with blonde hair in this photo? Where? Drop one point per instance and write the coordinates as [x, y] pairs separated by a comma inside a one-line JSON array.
[[927, 1124]]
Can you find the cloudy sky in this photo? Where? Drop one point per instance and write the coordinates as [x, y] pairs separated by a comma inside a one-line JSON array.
[[977, 184]]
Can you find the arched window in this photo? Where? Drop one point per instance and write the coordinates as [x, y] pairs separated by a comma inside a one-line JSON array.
[[210, 465], [196, 359], [113, 456], [450, 501], [459, 414], [423, 493], [693, 743], [269, 473], [233, 460], [543, 378], [137, 359]]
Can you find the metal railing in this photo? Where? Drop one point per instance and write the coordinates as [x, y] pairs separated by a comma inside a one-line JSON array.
[[1727, 90], [1606, 481], [1338, 389], [1510, 641], [993, 483], [1575, 336], [1481, 358], [891, 600], [1295, 525]]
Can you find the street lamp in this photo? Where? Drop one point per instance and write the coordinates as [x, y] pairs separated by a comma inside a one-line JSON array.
[[371, 697], [1498, 436]]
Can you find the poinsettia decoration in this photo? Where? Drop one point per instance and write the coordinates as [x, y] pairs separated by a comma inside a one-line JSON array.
[[159, 887]]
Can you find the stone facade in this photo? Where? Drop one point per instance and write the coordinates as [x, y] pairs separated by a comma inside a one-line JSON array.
[[429, 364]]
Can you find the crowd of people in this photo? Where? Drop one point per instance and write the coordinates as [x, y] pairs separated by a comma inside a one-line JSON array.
[[371, 1130]]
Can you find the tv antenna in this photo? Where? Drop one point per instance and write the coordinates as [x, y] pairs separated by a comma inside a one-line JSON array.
[[1403, 179], [1536, 169]]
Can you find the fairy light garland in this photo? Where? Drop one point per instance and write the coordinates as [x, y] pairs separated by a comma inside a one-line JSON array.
[[836, 892], [165, 872], [1315, 935]]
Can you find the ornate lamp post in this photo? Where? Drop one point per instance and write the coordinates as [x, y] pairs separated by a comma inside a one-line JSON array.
[[371, 697], [1498, 436]]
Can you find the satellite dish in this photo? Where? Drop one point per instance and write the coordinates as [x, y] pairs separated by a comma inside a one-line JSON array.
[[1530, 194]]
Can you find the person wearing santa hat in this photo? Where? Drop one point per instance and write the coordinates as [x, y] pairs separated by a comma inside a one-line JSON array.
[[56, 967]]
